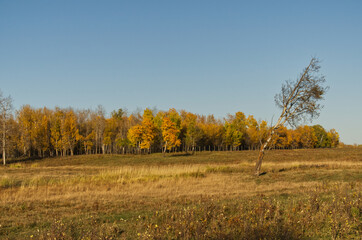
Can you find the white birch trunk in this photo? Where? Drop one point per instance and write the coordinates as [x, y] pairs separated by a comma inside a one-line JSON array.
[[4, 141], [267, 142]]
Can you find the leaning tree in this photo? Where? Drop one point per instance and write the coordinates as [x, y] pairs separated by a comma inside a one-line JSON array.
[[298, 101]]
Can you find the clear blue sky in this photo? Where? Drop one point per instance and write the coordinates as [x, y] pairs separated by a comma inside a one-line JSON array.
[[207, 57]]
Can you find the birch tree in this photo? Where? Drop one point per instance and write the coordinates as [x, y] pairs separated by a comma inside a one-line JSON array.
[[56, 130], [135, 136], [149, 130], [298, 101], [235, 130], [99, 121], [70, 132], [5, 112], [170, 133], [192, 130]]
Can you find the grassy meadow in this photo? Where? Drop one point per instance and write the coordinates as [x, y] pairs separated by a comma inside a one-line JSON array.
[[305, 194]]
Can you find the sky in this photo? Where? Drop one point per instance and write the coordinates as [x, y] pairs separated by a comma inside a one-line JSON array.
[[203, 56]]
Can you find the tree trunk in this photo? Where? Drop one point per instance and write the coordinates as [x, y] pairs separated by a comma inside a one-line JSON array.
[[262, 149], [164, 150], [4, 141], [259, 161], [4, 154], [96, 143]]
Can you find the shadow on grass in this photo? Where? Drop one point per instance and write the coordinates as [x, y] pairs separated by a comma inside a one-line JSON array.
[[23, 160], [180, 154]]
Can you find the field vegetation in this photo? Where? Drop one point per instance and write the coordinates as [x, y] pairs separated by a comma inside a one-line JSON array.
[[305, 194]]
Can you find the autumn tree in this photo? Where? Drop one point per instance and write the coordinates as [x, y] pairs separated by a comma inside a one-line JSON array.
[[12, 138], [135, 135], [56, 130], [334, 137], [115, 132], [280, 139], [110, 134], [5, 114], [263, 129], [174, 116], [41, 132], [123, 125], [235, 130], [25, 118], [144, 134], [87, 138], [322, 139], [98, 125], [88, 142], [252, 132], [70, 132], [212, 130], [149, 131], [298, 101], [170, 133], [191, 130], [307, 137]]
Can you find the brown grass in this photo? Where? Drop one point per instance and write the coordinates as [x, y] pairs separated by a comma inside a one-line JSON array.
[[116, 196]]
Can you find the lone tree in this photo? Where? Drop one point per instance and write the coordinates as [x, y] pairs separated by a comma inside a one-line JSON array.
[[298, 101], [5, 113]]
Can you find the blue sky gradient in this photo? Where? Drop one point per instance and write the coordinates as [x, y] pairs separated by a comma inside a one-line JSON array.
[[207, 57]]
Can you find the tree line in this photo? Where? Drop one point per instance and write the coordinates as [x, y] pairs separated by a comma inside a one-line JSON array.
[[43, 132]]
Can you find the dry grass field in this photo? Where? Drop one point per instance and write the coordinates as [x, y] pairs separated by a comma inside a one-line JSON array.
[[305, 194]]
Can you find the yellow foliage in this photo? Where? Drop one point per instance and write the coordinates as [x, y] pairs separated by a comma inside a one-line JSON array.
[[170, 133]]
